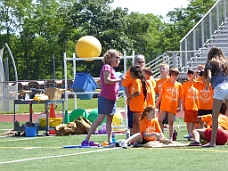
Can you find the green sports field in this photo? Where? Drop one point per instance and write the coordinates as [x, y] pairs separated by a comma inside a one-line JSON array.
[[45, 153]]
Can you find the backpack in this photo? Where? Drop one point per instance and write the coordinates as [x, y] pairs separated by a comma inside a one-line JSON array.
[[83, 125]]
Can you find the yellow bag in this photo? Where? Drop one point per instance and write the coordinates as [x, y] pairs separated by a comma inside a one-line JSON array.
[[40, 97]]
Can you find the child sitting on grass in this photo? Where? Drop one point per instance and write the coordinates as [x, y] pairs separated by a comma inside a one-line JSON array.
[[149, 129], [205, 133]]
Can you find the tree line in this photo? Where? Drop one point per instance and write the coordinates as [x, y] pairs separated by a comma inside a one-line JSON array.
[[39, 31]]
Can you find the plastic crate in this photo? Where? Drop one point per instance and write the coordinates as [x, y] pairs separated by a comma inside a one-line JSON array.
[[30, 131], [84, 82]]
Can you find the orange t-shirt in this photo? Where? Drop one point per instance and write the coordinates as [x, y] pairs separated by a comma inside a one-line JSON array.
[[149, 126], [205, 96], [190, 96], [128, 81], [137, 104], [171, 93], [159, 83], [150, 92], [199, 79], [222, 120]]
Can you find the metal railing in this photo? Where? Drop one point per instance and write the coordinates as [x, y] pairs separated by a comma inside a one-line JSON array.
[[172, 58], [203, 30]]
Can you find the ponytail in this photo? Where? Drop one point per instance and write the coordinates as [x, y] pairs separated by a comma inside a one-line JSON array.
[[137, 72]]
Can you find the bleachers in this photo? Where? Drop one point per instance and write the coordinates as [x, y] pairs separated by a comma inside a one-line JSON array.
[[219, 38]]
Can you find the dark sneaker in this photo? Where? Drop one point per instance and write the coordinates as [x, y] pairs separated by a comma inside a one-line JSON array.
[[137, 144], [190, 138], [111, 145], [174, 135], [85, 143], [195, 143]]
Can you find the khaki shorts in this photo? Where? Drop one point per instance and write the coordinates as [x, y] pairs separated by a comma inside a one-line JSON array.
[[162, 114]]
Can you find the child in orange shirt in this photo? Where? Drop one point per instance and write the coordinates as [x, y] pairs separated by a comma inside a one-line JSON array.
[[205, 95], [150, 86], [170, 99], [138, 96], [199, 72], [190, 103], [164, 72], [205, 133], [149, 129], [128, 83]]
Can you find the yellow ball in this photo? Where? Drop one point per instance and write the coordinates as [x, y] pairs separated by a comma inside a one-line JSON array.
[[117, 119], [87, 47]]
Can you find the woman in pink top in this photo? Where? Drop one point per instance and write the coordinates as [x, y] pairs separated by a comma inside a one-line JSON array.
[[108, 95]]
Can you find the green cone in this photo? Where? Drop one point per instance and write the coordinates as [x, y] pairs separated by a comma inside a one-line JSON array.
[[66, 117]]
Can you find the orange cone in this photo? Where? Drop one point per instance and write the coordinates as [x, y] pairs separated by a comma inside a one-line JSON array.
[[52, 111]]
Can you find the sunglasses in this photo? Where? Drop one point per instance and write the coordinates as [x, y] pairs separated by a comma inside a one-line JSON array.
[[140, 62]]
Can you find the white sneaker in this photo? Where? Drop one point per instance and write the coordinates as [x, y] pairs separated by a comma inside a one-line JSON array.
[[124, 145]]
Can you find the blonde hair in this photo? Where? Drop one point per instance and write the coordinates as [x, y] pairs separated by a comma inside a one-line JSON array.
[[147, 110], [164, 65], [109, 54], [201, 65]]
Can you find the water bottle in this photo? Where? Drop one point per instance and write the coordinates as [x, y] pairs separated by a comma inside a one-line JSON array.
[[113, 137], [127, 133]]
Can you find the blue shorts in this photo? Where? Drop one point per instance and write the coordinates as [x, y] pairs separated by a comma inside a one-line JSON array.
[[221, 91], [129, 117], [106, 106]]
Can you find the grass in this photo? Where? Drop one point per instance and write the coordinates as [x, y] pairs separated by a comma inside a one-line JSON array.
[[49, 155]]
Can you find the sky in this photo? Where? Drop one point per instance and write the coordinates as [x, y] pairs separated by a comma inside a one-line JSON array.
[[156, 7]]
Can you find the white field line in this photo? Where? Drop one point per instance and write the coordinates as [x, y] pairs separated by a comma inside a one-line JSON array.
[[31, 148], [24, 139], [57, 156]]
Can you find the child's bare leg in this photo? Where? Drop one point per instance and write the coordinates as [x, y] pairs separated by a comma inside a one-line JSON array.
[[226, 101], [216, 107], [190, 127], [161, 126], [171, 129], [136, 117], [134, 137], [198, 134], [160, 119]]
